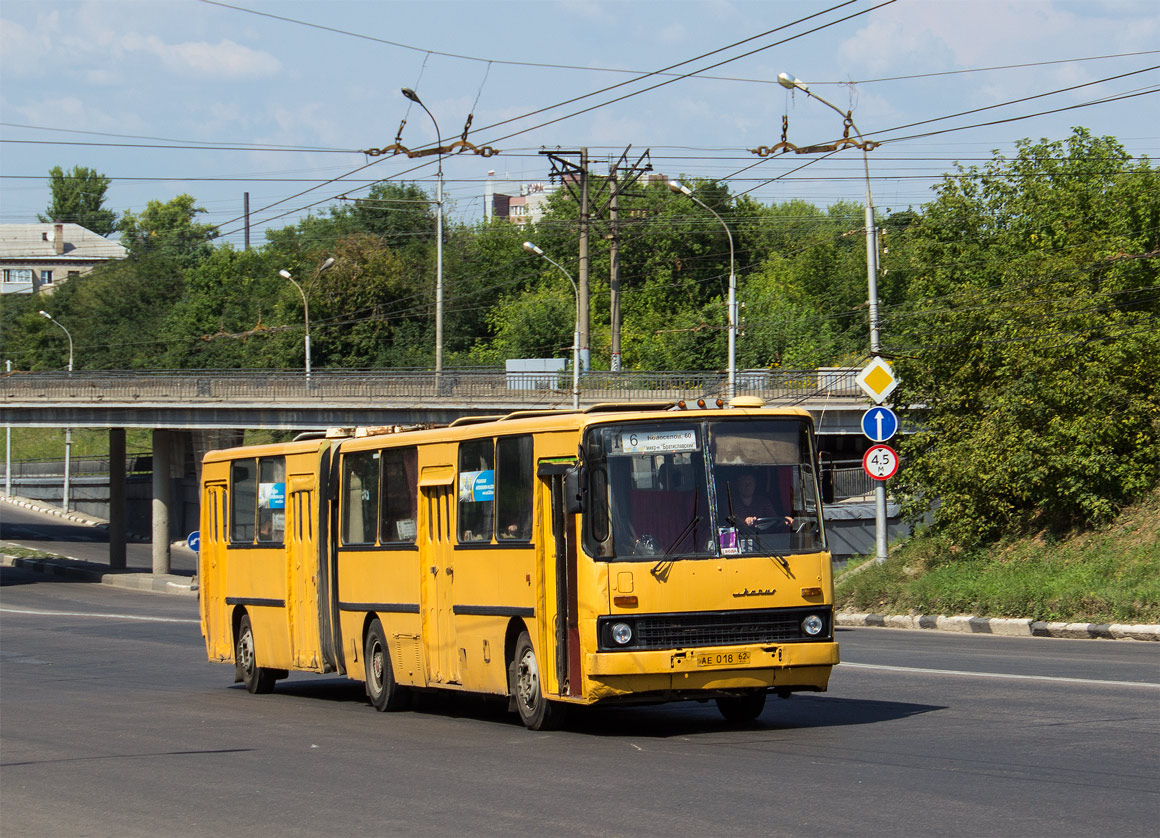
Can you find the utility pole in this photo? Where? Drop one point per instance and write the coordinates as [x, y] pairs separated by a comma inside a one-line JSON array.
[[616, 188], [585, 343], [574, 176], [614, 268]]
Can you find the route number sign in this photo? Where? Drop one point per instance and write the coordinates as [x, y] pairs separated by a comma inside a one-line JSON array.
[[880, 462]]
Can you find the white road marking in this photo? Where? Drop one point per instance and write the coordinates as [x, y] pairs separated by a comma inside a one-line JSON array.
[[100, 616], [916, 670]]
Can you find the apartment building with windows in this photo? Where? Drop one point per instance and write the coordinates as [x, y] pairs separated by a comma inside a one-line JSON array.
[[35, 258]]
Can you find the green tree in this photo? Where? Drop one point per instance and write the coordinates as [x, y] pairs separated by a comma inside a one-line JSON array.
[[78, 197], [168, 229], [1031, 338]]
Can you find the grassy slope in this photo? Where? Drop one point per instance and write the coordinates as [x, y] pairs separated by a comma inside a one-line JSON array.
[[48, 443], [1107, 576]]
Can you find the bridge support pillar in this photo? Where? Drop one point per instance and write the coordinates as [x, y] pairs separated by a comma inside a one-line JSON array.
[[116, 498], [161, 491]]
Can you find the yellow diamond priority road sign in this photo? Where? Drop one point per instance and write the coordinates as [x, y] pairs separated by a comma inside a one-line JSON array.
[[877, 380]]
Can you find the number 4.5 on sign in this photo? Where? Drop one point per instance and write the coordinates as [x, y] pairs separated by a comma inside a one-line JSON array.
[[880, 462]]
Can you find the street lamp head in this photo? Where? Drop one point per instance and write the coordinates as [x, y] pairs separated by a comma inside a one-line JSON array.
[[531, 248], [412, 95], [285, 274], [790, 82], [329, 263], [44, 313], [680, 188]]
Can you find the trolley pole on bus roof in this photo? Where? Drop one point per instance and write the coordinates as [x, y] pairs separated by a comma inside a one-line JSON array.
[[531, 248]]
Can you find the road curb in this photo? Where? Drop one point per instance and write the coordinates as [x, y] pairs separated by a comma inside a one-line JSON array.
[[69, 515], [1002, 626], [79, 571]]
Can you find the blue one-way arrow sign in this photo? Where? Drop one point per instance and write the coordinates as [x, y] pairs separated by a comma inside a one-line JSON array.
[[879, 423]]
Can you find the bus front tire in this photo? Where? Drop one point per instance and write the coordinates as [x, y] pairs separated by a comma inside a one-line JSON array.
[[536, 711], [382, 689], [742, 709], [257, 679]]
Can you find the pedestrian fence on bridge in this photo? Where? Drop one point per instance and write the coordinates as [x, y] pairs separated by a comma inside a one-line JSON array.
[[417, 386]]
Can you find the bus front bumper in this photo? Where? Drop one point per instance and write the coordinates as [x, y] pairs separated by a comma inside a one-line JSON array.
[[783, 666]]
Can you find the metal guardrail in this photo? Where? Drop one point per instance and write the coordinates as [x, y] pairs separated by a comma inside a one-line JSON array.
[[851, 480], [462, 385], [135, 464]]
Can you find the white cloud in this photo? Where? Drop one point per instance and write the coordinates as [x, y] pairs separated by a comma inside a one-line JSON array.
[[25, 49], [223, 60]]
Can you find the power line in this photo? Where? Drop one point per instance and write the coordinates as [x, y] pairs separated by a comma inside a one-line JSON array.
[[590, 68]]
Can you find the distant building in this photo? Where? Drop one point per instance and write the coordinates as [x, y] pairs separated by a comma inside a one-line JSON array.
[[35, 258], [519, 203]]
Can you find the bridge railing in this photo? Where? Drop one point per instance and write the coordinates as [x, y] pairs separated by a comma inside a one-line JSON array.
[[464, 385]]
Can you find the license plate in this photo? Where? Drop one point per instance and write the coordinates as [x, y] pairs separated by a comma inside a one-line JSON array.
[[723, 659]]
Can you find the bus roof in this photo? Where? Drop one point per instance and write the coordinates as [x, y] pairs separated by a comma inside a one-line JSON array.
[[518, 422]]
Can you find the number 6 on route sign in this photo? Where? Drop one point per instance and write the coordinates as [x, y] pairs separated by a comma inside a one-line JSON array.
[[880, 462]]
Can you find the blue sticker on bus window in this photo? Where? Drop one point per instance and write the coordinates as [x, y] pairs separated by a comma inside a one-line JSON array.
[[477, 486], [271, 495]]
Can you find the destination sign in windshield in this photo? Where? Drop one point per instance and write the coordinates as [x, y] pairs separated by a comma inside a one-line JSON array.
[[655, 442]]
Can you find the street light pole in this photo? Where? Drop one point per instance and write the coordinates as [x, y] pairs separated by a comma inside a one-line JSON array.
[[731, 390], [65, 493], [306, 305], [414, 97], [531, 248], [791, 83]]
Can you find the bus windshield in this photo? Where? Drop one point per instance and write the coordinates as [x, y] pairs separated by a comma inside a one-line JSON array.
[[723, 488]]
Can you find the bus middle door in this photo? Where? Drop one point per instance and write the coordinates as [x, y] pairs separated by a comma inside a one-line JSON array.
[[439, 575]]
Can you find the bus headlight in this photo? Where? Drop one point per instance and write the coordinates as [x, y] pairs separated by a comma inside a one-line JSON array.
[[621, 634], [813, 625]]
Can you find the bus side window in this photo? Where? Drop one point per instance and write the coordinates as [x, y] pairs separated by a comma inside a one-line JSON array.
[[476, 490], [244, 500], [271, 499], [400, 499], [360, 497], [513, 479]]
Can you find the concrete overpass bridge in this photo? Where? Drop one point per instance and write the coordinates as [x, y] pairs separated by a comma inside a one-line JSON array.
[[192, 411]]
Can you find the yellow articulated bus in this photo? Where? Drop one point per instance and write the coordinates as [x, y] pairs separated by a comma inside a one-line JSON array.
[[614, 554]]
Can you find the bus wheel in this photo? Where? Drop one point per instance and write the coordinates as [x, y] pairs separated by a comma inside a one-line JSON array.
[[256, 678], [536, 711], [384, 692], [742, 709]]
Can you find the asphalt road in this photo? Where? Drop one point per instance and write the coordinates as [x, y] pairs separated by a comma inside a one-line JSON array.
[[114, 724], [39, 531]]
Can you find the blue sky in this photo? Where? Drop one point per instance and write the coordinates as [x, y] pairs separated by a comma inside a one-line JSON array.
[[294, 91]]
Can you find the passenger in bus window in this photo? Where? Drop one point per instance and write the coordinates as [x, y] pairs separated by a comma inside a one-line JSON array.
[[266, 525]]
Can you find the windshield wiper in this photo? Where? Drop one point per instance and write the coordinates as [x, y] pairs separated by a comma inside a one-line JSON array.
[[689, 527]]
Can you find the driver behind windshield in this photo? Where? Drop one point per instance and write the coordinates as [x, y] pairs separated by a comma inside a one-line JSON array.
[[751, 508]]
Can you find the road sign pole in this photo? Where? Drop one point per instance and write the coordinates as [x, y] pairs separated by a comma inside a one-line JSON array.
[[880, 522]]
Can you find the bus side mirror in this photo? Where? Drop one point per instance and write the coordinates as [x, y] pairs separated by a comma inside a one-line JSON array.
[[573, 496], [826, 471]]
